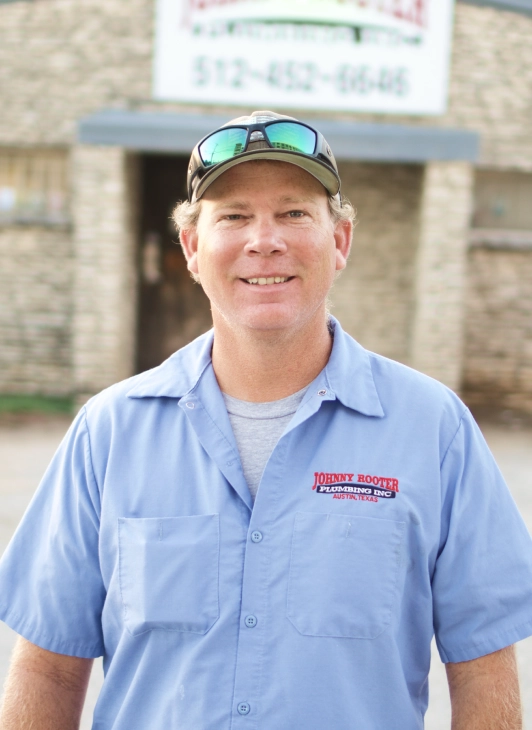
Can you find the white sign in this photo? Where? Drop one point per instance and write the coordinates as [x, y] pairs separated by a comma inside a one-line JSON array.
[[388, 56]]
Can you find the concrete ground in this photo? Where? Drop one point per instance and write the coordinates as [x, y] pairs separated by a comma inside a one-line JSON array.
[[26, 446]]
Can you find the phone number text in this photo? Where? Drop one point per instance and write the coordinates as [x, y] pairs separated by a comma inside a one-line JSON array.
[[238, 73]]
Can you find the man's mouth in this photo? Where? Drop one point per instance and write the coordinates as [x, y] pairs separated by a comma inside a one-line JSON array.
[[263, 280]]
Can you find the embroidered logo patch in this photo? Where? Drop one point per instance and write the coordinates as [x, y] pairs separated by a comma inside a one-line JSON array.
[[366, 487]]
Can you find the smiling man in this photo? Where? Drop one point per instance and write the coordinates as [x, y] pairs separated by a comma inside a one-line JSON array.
[[266, 249], [267, 530]]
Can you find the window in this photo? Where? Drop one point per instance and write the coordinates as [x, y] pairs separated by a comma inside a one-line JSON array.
[[503, 201], [33, 187]]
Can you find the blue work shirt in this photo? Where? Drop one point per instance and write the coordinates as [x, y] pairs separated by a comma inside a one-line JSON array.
[[380, 519]]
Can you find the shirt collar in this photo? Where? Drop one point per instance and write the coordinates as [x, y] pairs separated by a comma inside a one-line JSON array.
[[348, 373], [179, 374]]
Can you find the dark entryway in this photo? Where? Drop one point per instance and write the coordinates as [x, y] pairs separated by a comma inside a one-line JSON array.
[[173, 310]]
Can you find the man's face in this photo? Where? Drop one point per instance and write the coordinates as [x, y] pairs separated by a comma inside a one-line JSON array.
[[265, 247]]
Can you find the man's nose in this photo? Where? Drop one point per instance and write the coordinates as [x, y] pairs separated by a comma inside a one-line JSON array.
[[265, 238]]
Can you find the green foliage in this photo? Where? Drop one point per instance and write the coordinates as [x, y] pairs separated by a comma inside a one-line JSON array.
[[43, 404]]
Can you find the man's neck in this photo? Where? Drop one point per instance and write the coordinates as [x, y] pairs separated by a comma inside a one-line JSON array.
[[264, 366]]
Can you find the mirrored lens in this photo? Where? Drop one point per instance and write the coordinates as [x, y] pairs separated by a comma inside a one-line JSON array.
[[222, 145], [294, 137]]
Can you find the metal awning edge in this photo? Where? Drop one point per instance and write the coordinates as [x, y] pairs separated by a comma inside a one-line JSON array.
[[513, 6], [178, 133]]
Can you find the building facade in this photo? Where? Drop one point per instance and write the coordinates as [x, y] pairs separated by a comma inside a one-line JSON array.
[[93, 287]]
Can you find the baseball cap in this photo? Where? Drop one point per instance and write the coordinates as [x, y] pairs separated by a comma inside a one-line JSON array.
[[263, 135]]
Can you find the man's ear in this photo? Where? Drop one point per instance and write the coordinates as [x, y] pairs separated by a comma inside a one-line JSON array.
[[343, 233], [189, 244]]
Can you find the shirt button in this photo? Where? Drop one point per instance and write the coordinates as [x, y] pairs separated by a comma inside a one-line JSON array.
[[322, 392], [243, 708], [250, 621], [256, 536], [190, 405]]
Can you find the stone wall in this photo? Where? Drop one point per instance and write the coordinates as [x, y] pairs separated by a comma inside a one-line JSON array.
[[491, 83], [104, 297], [438, 319], [373, 296], [402, 292], [35, 310], [498, 357], [62, 59]]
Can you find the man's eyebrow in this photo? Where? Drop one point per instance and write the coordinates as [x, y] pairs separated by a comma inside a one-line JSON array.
[[298, 199], [232, 204], [285, 199]]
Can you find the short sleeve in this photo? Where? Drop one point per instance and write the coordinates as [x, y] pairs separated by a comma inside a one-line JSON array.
[[482, 583], [51, 589]]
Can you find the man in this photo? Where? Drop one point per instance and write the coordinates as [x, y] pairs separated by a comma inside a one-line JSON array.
[[265, 531]]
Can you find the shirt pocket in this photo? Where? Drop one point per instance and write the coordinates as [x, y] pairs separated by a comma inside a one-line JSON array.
[[344, 574], [168, 573]]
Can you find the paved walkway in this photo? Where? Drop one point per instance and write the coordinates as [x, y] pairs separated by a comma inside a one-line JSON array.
[[26, 448]]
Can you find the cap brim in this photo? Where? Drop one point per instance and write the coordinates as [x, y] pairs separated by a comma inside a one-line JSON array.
[[322, 173]]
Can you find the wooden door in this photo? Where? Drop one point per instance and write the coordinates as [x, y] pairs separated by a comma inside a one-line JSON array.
[[173, 309]]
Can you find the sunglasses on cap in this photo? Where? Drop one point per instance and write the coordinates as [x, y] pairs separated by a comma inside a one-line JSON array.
[[276, 139]]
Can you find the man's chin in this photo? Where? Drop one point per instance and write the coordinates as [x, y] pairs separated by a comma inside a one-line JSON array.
[[270, 318], [270, 324], [277, 322]]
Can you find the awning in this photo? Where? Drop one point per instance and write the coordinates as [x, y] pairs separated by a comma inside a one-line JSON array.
[[178, 133]]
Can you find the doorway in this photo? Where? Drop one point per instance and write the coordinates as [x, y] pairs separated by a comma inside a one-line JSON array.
[[173, 309]]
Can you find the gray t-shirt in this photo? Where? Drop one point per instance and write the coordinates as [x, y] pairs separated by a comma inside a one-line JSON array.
[[257, 428]]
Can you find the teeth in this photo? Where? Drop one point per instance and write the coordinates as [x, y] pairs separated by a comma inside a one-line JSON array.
[[270, 280]]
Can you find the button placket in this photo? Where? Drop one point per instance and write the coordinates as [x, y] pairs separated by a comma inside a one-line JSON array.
[[251, 638], [254, 636]]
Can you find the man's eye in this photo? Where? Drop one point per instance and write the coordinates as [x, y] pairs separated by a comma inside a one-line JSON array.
[[233, 217], [296, 214]]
